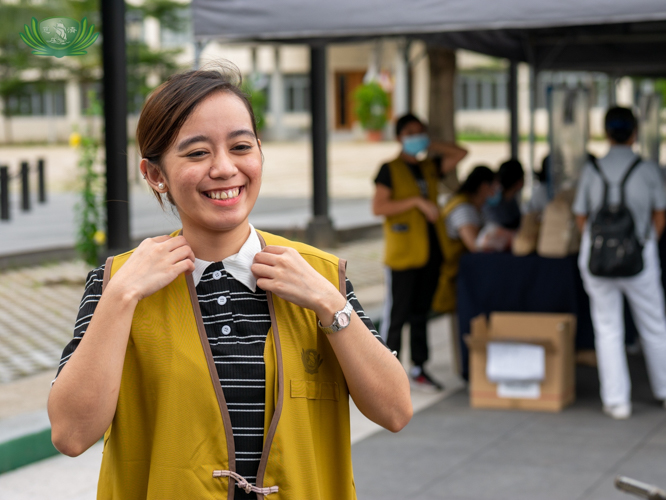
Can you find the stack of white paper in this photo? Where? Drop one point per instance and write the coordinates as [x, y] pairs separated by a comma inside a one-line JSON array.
[[517, 368]]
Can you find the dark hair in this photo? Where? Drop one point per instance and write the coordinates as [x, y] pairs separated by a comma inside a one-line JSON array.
[[620, 124], [510, 173], [404, 120], [169, 106], [477, 177]]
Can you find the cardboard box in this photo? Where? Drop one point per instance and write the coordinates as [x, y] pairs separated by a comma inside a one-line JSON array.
[[555, 332]]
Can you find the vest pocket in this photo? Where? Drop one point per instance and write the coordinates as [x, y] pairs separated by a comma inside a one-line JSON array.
[[311, 389]]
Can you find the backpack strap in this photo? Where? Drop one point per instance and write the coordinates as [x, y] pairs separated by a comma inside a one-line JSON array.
[[595, 165], [631, 168], [629, 171]]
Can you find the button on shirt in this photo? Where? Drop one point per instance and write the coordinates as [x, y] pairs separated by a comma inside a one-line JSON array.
[[644, 190], [236, 318]]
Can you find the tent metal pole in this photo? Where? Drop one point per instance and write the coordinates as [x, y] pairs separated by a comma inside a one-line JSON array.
[[513, 107], [115, 122], [320, 229], [533, 96], [199, 47]]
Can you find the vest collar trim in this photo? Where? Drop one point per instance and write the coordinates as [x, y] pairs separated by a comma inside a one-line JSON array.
[[224, 410], [268, 442]]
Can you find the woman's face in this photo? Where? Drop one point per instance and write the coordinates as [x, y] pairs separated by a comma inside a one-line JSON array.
[[213, 168], [487, 190]]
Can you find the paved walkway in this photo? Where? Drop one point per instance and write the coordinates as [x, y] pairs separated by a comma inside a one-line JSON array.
[[452, 452]]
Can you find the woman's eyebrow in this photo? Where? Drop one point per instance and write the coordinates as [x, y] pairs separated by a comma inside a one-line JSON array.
[[242, 131], [192, 140]]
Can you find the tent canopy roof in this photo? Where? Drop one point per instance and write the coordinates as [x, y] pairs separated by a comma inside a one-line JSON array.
[[616, 36]]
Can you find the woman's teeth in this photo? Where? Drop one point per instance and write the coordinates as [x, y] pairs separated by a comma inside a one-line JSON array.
[[223, 195]]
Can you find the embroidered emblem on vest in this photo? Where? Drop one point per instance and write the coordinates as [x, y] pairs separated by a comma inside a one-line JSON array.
[[311, 360]]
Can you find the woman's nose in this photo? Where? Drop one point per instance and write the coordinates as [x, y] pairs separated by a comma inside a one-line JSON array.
[[223, 167]]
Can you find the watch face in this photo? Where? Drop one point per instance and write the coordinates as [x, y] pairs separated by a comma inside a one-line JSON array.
[[343, 319]]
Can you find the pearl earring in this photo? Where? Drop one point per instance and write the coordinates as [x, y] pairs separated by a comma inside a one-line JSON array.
[[160, 186]]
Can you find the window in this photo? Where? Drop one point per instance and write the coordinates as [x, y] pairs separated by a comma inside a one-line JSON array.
[[38, 99], [598, 83], [296, 93], [481, 90]]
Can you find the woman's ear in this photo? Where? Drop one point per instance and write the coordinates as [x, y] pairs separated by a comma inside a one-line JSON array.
[[153, 175]]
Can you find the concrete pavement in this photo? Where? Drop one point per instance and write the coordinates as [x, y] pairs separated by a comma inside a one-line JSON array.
[[452, 452]]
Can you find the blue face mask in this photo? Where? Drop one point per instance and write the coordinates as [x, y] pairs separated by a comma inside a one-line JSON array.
[[414, 144], [495, 199]]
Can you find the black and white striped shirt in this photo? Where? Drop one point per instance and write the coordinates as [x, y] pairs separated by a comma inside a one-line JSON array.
[[236, 320]]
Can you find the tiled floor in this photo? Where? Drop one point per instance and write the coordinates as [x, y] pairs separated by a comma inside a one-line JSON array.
[[37, 311]]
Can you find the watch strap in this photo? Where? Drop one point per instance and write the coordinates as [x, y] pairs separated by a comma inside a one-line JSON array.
[[336, 326]]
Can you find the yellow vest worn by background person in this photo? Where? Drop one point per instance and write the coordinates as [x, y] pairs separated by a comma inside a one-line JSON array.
[[172, 434], [445, 296], [406, 234]]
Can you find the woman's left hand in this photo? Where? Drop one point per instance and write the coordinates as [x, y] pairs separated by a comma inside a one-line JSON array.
[[284, 272]]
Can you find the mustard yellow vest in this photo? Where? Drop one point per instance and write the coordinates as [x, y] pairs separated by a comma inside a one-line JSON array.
[[406, 234], [445, 296], [172, 428]]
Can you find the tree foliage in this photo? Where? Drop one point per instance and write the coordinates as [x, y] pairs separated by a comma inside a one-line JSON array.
[[146, 66]]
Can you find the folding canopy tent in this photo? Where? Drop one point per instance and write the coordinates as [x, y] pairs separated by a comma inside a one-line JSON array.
[[615, 36], [625, 36]]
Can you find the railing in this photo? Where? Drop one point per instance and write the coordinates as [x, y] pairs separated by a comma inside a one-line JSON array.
[[24, 176]]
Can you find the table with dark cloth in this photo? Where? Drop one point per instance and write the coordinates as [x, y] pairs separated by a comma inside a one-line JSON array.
[[490, 282]]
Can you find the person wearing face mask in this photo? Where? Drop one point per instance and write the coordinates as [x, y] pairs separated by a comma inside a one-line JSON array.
[[503, 208], [406, 195]]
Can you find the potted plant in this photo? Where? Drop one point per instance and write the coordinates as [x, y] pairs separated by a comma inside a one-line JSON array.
[[372, 104]]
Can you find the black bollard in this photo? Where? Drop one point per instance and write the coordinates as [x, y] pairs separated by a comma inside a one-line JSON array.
[[4, 193], [41, 172], [25, 186]]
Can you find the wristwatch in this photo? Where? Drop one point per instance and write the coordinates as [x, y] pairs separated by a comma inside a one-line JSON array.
[[341, 320]]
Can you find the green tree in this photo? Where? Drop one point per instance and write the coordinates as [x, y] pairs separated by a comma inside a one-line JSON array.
[[146, 66], [15, 56]]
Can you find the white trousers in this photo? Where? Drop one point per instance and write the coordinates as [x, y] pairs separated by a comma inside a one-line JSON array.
[[645, 295]]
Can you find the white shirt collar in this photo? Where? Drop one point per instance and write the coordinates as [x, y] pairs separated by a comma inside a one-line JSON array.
[[238, 265]]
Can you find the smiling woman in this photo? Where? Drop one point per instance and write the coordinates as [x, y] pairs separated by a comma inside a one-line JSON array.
[[218, 361]]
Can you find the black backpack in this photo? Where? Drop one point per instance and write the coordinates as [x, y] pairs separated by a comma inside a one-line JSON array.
[[616, 251]]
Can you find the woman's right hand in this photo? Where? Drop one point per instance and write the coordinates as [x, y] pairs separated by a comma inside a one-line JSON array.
[[429, 209], [154, 264]]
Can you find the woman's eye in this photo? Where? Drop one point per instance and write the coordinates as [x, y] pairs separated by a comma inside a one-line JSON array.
[[242, 147], [196, 154]]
